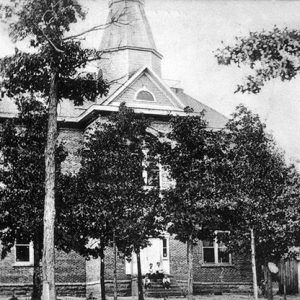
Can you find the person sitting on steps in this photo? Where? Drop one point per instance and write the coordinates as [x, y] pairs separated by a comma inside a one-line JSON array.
[[150, 273], [159, 271], [147, 282], [166, 282]]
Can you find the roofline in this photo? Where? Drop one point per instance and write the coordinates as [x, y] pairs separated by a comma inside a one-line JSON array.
[[154, 51], [134, 77], [98, 108]]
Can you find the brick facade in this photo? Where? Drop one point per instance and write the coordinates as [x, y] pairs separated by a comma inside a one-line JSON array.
[[69, 270]]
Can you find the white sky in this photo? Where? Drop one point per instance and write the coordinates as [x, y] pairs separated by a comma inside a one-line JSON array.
[[187, 32]]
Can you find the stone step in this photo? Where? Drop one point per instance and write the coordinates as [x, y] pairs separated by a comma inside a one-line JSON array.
[[163, 294]]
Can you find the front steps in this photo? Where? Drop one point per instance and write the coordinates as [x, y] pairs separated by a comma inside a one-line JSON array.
[[157, 291]]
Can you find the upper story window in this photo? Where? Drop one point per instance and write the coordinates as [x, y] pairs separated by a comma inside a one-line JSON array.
[[144, 95], [153, 173], [23, 252], [215, 252]]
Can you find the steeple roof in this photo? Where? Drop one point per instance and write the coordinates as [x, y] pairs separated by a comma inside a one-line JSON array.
[[131, 29]]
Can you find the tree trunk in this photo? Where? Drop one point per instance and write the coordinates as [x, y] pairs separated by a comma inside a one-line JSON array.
[[102, 278], [269, 284], [284, 280], [115, 268], [253, 263], [190, 249], [139, 277], [49, 204], [36, 289]]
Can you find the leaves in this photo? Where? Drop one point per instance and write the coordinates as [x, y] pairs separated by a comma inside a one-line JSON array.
[[108, 193], [270, 54], [196, 159], [267, 190], [22, 174]]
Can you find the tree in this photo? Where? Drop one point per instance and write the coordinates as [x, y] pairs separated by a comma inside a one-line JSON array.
[[110, 202], [267, 192], [269, 54], [51, 70], [194, 156], [22, 176]]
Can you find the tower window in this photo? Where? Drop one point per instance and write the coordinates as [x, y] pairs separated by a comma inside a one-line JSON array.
[[145, 96]]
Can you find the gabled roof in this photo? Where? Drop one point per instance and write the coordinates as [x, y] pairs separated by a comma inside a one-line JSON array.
[[154, 84]]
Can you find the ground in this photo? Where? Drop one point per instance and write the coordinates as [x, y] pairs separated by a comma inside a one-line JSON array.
[[202, 297]]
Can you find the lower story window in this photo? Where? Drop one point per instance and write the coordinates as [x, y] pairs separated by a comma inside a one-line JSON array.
[[215, 252], [24, 252]]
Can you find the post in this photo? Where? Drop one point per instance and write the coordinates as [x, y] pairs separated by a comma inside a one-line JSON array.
[[102, 275], [139, 276], [115, 267], [190, 267], [253, 263], [284, 280]]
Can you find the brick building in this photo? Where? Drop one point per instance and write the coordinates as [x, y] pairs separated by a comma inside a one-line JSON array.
[[132, 62]]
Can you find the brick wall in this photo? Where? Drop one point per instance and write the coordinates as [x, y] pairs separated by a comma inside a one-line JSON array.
[[236, 277], [70, 275], [71, 139], [93, 276]]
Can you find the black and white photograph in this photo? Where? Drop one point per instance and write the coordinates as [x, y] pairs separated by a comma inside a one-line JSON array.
[[149, 149]]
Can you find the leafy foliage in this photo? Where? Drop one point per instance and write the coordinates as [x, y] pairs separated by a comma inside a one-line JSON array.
[[22, 174], [196, 160], [267, 190], [109, 189], [270, 54], [51, 69]]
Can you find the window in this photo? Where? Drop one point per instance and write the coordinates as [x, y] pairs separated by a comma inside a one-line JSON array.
[[144, 95], [165, 248], [214, 251], [153, 175], [23, 252]]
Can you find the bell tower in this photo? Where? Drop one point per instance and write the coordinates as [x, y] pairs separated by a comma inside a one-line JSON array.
[[127, 41]]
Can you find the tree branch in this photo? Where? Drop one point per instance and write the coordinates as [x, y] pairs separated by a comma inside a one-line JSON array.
[[115, 19]]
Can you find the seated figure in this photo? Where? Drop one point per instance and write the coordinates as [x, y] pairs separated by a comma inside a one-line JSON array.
[[159, 271], [166, 282], [147, 282], [150, 273]]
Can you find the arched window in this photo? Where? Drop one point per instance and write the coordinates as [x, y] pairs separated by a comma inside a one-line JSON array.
[[144, 95]]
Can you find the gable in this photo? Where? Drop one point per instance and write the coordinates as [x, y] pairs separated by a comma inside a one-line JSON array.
[[145, 90]]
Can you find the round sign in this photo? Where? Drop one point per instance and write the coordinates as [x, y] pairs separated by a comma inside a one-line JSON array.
[[273, 268]]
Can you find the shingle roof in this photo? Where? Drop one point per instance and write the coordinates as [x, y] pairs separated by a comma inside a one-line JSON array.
[[214, 118]]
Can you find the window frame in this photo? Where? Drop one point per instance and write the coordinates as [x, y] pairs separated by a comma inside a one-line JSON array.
[[144, 89], [20, 263], [216, 248]]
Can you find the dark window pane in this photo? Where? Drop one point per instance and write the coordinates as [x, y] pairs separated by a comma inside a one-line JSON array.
[[165, 248], [153, 176], [208, 255], [22, 253], [223, 256]]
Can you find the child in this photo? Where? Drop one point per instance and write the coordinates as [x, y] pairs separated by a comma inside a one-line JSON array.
[[147, 282], [166, 282], [159, 271]]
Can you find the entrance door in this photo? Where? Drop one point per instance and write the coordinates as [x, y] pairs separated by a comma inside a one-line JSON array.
[[158, 251]]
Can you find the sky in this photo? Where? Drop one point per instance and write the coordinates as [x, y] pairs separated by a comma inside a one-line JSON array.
[[187, 32]]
